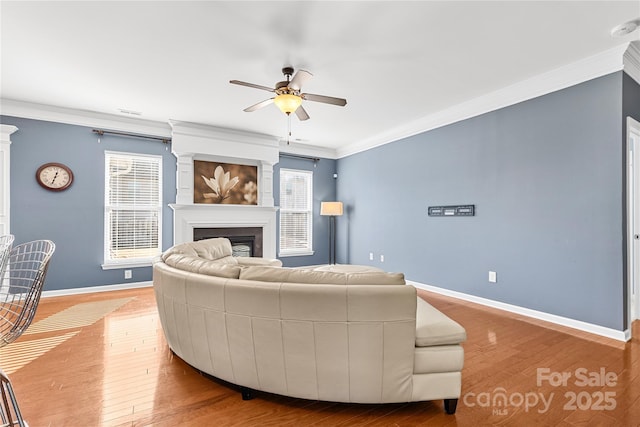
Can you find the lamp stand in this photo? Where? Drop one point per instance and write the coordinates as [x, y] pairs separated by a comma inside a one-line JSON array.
[[331, 209], [332, 240]]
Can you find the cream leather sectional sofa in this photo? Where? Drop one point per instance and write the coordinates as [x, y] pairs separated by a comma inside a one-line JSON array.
[[334, 333]]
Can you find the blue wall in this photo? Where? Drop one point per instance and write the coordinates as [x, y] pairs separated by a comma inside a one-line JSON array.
[[74, 219], [630, 108], [324, 189], [546, 178], [630, 98]]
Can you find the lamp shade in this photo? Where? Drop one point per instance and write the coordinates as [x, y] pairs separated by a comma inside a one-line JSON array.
[[287, 103], [331, 208]]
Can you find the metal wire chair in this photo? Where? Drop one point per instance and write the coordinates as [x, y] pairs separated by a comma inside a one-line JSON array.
[[20, 290]]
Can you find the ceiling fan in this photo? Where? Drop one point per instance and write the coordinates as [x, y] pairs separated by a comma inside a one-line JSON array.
[[288, 97]]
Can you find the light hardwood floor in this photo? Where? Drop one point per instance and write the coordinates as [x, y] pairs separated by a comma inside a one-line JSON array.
[[101, 359]]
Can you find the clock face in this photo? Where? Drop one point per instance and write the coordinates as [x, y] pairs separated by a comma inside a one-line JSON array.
[[54, 176]]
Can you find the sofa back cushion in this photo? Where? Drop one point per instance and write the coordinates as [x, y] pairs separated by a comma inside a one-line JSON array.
[[218, 249], [294, 275], [375, 278], [199, 265]]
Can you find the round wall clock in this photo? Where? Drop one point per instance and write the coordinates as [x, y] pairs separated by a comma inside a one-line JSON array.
[[54, 176]]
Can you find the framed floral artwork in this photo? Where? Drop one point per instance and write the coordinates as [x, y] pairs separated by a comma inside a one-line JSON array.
[[224, 183]]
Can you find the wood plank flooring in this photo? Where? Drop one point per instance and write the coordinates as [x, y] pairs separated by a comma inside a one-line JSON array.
[[101, 360]]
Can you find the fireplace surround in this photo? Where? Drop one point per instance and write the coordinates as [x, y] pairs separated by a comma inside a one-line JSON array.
[[240, 237], [197, 142]]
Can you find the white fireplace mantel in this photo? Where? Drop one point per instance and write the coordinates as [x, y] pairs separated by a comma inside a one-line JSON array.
[[196, 139], [191, 142], [187, 218]]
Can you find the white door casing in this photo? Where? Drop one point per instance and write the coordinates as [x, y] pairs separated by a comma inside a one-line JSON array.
[[5, 170], [633, 197]]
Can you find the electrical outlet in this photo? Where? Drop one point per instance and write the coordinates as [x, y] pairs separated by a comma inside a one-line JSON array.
[[493, 277], [370, 256], [381, 258], [127, 274]]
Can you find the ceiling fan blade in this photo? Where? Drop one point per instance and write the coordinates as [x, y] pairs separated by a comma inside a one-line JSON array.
[[301, 77], [259, 105], [325, 99], [238, 82], [302, 114]]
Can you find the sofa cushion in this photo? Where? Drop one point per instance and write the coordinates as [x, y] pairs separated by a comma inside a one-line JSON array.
[[290, 275], [435, 328], [249, 261], [438, 358], [346, 268], [364, 274], [294, 275], [218, 249], [195, 264], [375, 278]]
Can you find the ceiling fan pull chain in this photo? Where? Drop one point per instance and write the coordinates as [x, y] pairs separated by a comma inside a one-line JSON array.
[[288, 129]]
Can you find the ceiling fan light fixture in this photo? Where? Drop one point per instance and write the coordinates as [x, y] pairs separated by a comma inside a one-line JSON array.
[[287, 103]]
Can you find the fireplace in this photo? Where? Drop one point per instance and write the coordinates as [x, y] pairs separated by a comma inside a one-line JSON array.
[[245, 241], [192, 142]]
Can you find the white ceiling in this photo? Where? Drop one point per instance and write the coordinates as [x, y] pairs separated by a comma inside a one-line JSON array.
[[394, 62]]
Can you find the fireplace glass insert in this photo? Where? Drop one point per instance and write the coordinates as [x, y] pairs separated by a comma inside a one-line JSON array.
[[245, 241]]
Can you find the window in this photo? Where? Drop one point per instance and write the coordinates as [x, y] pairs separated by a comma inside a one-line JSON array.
[[296, 212], [133, 209]]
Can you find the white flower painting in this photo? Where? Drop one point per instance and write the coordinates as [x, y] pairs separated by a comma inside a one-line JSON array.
[[223, 183]]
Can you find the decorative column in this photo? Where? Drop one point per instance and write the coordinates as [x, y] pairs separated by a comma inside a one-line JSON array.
[[265, 195], [5, 176], [184, 179]]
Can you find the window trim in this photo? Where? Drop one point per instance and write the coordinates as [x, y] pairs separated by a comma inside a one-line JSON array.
[[296, 252], [109, 264]]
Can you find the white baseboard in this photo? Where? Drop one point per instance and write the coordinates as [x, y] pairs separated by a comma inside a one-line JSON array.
[[92, 289], [540, 315]]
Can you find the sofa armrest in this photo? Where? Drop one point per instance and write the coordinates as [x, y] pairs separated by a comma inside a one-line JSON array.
[[435, 328], [249, 261]]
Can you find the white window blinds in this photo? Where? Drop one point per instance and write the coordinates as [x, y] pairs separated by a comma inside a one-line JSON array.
[[133, 207], [296, 212]]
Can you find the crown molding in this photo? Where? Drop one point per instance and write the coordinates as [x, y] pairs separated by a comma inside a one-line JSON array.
[[622, 57], [307, 150], [50, 113], [198, 130], [632, 61], [190, 139], [586, 69]]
